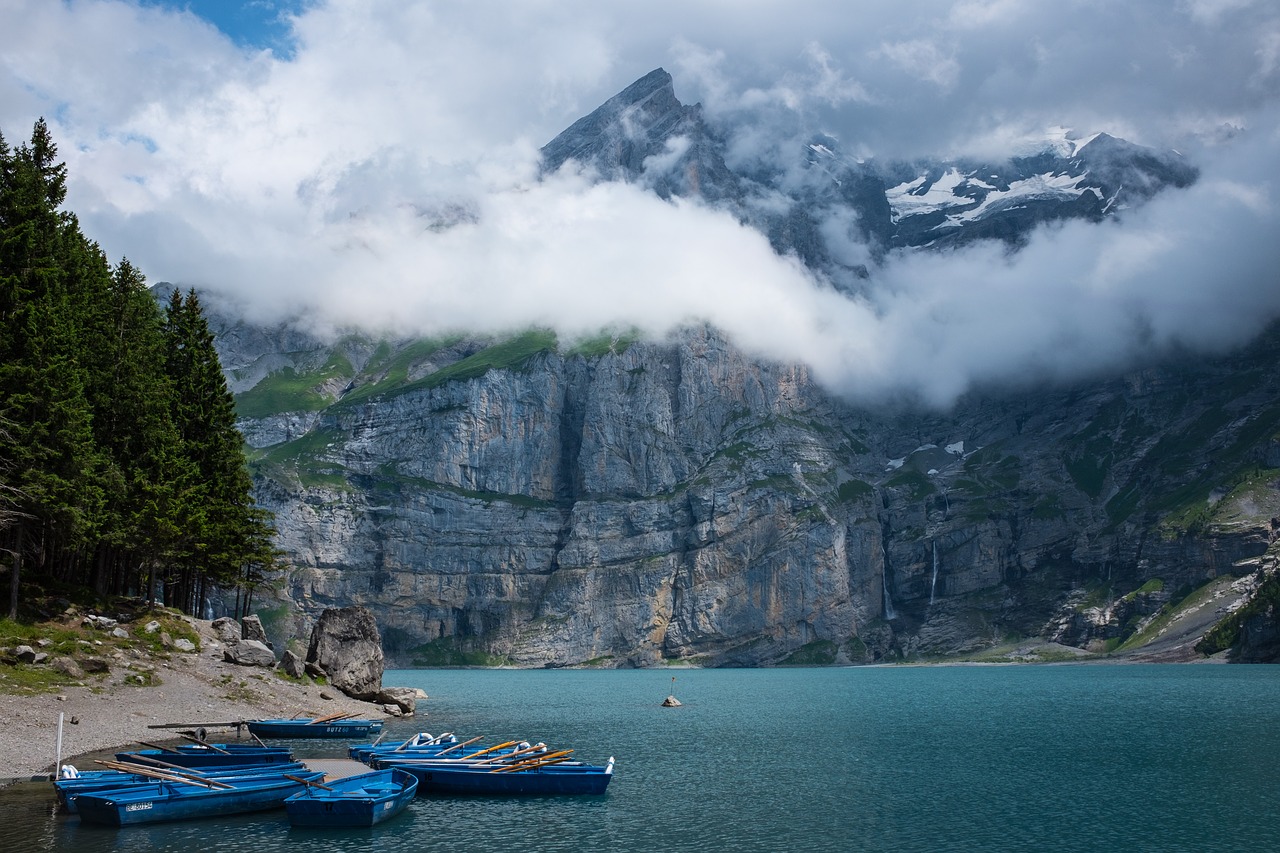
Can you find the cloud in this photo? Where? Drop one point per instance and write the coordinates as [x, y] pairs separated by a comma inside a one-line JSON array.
[[384, 170], [923, 59]]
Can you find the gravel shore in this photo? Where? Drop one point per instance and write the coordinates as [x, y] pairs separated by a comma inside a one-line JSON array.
[[195, 688]]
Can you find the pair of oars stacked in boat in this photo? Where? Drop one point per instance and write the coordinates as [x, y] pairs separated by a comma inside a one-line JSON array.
[[527, 757]]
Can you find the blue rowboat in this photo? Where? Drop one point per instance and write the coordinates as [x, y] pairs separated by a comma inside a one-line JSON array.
[[156, 802], [213, 756], [319, 727], [362, 800], [68, 788], [536, 781]]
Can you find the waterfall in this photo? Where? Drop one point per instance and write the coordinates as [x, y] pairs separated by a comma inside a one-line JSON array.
[[933, 584], [884, 584]]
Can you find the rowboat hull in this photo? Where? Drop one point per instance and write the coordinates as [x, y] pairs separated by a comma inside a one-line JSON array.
[[168, 801], [356, 801], [96, 781], [309, 729], [542, 781]]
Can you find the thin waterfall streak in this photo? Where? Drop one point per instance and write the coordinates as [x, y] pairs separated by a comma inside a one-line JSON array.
[[884, 584], [933, 584]]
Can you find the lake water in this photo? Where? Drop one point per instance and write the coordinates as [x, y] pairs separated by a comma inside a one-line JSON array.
[[1087, 758]]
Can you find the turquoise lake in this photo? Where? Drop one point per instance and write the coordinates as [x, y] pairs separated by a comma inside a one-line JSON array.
[[1064, 758]]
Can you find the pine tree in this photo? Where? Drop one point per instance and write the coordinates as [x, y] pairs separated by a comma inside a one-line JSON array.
[[225, 530], [119, 455], [49, 452]]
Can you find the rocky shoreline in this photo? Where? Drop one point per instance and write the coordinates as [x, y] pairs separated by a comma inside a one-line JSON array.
[[195, 688]]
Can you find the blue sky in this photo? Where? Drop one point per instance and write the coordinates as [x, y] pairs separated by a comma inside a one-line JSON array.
[[283, 153], [254, 24]]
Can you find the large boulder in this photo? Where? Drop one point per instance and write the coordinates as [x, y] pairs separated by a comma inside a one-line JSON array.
[[345, 643], [249, 653], [292, 665], [405, 699], [226, 629], [251, 629], [67, 667]]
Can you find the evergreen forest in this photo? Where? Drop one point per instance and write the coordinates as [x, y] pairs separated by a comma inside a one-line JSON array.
[[122, 472]]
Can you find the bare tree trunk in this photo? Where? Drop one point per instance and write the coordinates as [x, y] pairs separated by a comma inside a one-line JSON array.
[[16, 575]]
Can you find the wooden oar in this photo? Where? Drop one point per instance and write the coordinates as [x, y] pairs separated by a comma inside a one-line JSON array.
[[207, 744], [465, 759], [486, 751], [258, 740], [307, 782], [539, 761], [510, 755], [163, 776], [151, 760], [156, 746], [459, 745], [331, 718], [529, 766]]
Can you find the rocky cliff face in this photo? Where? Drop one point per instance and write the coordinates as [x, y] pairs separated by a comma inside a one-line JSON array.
[[631, 503], [628, 503]]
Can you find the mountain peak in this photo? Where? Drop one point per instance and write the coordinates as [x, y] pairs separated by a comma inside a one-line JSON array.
[[617, 136]]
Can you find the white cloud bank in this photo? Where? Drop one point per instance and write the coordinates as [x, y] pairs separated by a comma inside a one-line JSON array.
[[301, 184]]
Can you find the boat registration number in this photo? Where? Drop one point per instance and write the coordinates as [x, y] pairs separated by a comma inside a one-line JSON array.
[[137, 807]]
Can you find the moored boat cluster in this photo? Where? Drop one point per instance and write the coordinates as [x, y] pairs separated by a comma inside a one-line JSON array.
[[208, 780], [445, 765]]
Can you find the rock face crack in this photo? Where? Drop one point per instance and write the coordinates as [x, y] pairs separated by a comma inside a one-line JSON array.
[[568, 487]]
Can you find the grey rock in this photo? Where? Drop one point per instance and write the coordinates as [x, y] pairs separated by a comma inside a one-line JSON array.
[[25, 653], [182, 644], [251, 629], [403, 699], [226, 629], [249, 653], [94, 664], [151, 627], [67, 666], [39, 658], [292, 665], [345, 642], [120, 633]]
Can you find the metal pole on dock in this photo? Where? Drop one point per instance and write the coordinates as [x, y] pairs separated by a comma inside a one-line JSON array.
[[57, 758]]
